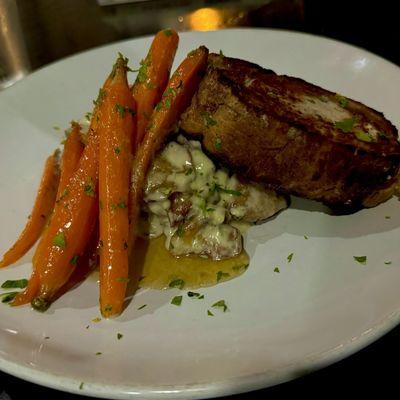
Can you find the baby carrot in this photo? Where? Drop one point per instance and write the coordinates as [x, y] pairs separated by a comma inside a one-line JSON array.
[[42, 209], [177, 96], [72, 152], [153, 77], [72, 222], [115, 131]]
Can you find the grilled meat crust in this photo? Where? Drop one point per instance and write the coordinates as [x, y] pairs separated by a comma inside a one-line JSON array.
[[293, 136]]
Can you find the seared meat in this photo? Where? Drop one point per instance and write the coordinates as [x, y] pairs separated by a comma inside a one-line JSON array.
[[293, 136]]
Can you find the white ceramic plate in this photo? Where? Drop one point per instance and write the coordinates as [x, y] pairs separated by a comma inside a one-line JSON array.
[[320, 308]]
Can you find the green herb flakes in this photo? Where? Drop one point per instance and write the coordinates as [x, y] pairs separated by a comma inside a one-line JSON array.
[[193, 294], [221, 53], [15, 284], [123, 280], [59, 240], [209, 313], [167, 102], [177, 283], [89, 187], [387, 216], [220, 189], [167, 32], [120, 109], [117, 150], [177, 301], [56, 128], [108, 307], [180, 231], [208, 120], [142, 306], [290, 257], [142, 74], [363, 136], [74, 259], [220, 304], [99, 353], [345, 125], [81, 385], [343, 102], [388, 262], [276, 269], [8, 297], [218, 144], [361, 259], [222, 275], [120, 336], [305, 237], [96, 320], [88, 116]]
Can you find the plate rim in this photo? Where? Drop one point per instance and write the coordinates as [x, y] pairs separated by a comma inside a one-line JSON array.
[[218, 388]]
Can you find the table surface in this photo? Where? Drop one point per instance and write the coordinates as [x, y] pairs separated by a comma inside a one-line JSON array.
[[371, 26]]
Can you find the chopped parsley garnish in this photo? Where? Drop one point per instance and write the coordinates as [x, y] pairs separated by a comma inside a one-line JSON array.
[[290, 257], [88, 116], [89, 187], [345, 125], [387, 216], [117, 150], [101, 96], [56, 128], [167, 32], [180, 231], [99, 353], [59, 240], [121, 110], [8, 297], [193, 294], [177, 283], [81, 385], [74, 259], [239, 267], [219, 188], [15, 284], [208, 120], [142, 74], [158, 106], [221, 53], [96, 320], [210, 313], [220, 304], [363, 136], [64, 194], [177, 301], [218, 144], [123, 280], [276, 269], [388, 262], [361, 259], [305, 237], [167, 102], [47, 337], [108, 307], [120, 336], [118, 205], [189, 171], [221, 275], [343, 102], [143, 306]]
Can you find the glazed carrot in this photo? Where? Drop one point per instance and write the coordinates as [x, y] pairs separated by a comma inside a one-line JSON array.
[[115, 132], [72, 152], [73, 148], [153, 77], [72, 222], [177, 96], [84, 264], [42, 209]]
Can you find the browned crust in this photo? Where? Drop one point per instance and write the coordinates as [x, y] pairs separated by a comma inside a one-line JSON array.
[[264, 138]]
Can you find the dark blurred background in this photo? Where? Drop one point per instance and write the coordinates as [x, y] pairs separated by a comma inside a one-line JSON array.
[[45, 30]]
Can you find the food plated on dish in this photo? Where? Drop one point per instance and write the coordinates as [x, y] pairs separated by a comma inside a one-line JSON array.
[[169, 173]]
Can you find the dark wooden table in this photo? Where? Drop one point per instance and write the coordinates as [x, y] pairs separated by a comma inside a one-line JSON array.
[[371, 25]]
